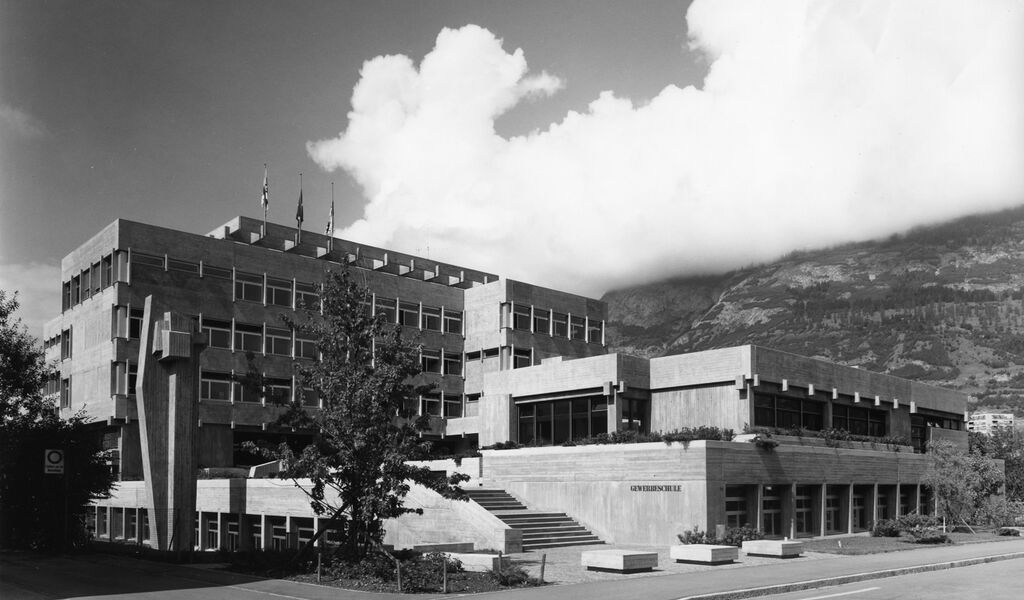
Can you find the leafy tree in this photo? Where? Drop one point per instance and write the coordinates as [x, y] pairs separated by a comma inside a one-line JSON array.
[[367, 430], [962, 481], [1008, 445], [35, 507]]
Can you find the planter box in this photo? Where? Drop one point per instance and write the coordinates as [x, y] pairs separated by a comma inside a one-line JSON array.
[[777, 548], [619, 561], [481, 563], [708, 554]]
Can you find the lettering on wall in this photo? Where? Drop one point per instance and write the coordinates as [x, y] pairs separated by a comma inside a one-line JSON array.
[[655, 488]]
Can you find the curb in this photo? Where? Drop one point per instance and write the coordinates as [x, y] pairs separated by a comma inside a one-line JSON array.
[[811, 584]]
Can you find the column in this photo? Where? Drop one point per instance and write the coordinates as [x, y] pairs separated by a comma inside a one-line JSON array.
[[849, 508]]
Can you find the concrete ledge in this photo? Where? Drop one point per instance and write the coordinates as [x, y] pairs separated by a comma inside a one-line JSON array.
[[444, 547], [777, 548], [619, 561], [481, 563], [707, 554]]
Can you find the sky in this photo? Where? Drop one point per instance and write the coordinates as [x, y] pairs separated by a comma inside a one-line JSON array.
[[583, 145]]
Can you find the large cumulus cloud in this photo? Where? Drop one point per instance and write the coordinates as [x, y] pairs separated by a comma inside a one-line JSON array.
[[819, 122]]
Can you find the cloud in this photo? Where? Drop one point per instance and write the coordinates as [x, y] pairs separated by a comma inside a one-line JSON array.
[[38, 293], [817, 123], [20, 123]]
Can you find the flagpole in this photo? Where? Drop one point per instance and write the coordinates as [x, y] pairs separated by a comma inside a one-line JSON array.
[[298, 215], [266, 199], [330, 224]]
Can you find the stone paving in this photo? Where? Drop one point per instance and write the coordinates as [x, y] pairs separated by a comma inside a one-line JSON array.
[[563, 564]]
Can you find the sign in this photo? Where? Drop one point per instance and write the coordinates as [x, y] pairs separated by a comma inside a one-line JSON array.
[[53, 462], [655, 488]]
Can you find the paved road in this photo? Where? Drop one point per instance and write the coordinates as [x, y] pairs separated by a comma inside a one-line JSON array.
[[992, 581]]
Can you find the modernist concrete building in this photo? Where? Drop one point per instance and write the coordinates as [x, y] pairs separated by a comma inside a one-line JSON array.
[[156, 325], [988, 423]]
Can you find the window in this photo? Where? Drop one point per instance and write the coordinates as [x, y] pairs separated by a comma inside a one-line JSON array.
[[833, 521], [541, 320], [135, 316], [307, 296], [386, 307], [558, 421], [305, 348], [215, 386], [184, 266], [216, 272], [218, 333], [453, 322], [559, 324], [859, 420], [788, 413], [578, 328], [248, 338], [431, 318], [735, 506], [76, 290], [142, 259], [309, 396], [248, 287], [430, 361], [279, 341], [133, 377], [279, 292], [65, 393], [452, 407], [452, 363], [107, 271], [409, 314], [96, 285], [471, 356], [521, 317], [804, 516], [66, 295], [522, 357], [65, 344], [771, 511], [279, 391], [636, 414], [431, 405], [595, 331], [86, 284]]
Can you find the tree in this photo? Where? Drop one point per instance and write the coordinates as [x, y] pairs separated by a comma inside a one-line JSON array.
[[962, 481], [367, 430], [1007, 445], [37, 510]]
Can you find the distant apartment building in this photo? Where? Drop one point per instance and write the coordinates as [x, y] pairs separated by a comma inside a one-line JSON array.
[[988, 423], [158, 324]]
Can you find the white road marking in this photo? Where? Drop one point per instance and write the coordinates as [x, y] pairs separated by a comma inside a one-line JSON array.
[[842, 594]]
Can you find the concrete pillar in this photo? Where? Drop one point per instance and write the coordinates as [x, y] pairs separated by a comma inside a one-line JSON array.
[[244, 532], [759, 508], [849, 508], [874, 504], [899, 501], [222, 530], [266, 532], [790, 505], [822, 503]]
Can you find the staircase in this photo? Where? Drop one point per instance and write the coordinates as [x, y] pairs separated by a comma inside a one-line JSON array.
[[540, 529]]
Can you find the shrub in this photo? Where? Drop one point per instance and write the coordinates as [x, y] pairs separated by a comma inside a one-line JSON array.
[[928, 535], [885, 528], [695, 536], [512, 576], [912, 520], [1006, 531], [424, 573], [733, 536]]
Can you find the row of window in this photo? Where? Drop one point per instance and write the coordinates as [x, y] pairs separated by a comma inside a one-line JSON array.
[[524, 317], [415, 314], [62, 339], [91, 280], [787, 412]]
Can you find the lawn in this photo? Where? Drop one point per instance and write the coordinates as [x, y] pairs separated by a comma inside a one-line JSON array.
[[875, 545]]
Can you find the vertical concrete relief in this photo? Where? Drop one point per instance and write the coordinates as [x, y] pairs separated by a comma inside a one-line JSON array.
[[167, 392]]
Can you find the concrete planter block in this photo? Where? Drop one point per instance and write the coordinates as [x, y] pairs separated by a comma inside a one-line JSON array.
[[444, 547], [704, 553], [619, 561], [777, 548], [481, 563]]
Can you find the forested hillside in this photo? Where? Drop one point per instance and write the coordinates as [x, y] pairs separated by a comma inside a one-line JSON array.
[[942, 304]]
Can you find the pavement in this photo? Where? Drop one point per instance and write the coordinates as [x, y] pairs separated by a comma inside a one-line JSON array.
[[101, 575]]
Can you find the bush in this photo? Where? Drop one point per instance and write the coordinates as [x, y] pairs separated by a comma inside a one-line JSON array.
[[513, 576], [733, 536], [425, 573], [1006, 531], [912, 520], [885, 528], [928, 535]]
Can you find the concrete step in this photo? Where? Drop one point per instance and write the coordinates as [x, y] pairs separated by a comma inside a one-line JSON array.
[[571, 527], [529, 515], [560, 544]]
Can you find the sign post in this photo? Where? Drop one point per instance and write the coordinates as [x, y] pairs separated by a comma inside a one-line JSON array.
[[53, 461]]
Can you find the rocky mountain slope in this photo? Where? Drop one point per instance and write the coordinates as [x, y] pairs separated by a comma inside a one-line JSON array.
[[942, 304]]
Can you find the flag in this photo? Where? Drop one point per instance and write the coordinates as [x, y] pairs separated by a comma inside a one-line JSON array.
[[265, 200], [298, 213], [330, 221]]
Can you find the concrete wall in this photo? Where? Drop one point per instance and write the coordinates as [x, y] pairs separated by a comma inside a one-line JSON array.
[[449, 521], [718, 405]]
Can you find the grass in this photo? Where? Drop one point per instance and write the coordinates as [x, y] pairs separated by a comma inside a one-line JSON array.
[[875, 545]]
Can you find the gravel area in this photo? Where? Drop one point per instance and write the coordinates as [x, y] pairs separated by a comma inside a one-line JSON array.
[[563, 564]]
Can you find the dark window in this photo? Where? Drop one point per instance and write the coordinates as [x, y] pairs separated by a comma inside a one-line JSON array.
[[107, 270], [248, 287], [215, 386], [452, 363], [409, 314], [578, 326], [184, 266], [248, 338], [279, 292], [557, 421], [279, 391], [142, 259], [86, 284], [541, 320], [595, 330], [97, 285], [76, 290], [386, 307], [431, 361], [279, 341], [135, 316], [452, 407], [453, 322], [431, 318], [559, 324], [521, 358], [305, 348], [218, 333], [65, 344], [217, 272], [521, 317], [66, 295], [133, 377], [307, 296], [431, 405], [65, 393], [788, 413]]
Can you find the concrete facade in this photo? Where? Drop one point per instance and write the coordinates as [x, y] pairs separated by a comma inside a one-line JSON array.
[[509, 362]]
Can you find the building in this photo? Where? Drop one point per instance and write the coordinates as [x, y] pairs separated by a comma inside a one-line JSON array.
[[156, 325], [989, 423]]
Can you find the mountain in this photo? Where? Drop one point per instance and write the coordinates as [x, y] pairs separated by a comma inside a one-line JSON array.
[[941, 304]]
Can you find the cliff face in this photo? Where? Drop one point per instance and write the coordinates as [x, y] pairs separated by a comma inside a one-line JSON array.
[[942, 304]]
